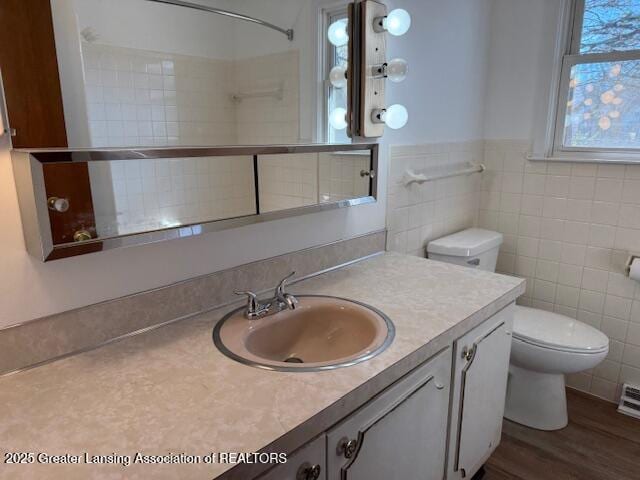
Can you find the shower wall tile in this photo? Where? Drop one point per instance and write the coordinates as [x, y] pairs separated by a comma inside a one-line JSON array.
[[340, 177], [143, 98], [288, 181], [141, 195], [275, 117], [291, 181]]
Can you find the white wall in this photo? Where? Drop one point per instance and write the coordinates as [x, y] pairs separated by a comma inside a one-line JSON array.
[[447, 51], [523, 37], [252, 40], [451, 37], [136, 23]]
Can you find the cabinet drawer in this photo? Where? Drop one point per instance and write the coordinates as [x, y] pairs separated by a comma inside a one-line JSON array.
[[399, 435], [306, 463]]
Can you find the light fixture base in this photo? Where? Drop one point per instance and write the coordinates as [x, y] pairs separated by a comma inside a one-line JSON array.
[[374, 52]]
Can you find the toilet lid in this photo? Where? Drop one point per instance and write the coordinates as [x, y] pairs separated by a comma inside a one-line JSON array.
[[559, 332]]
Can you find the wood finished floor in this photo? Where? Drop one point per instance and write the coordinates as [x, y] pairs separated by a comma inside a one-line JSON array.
[[598, 444]]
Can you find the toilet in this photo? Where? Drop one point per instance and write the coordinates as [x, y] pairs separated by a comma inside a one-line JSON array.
[[545, 346]]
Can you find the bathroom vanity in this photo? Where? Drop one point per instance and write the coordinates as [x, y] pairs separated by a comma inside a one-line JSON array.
[[437, 390], [415, 412]]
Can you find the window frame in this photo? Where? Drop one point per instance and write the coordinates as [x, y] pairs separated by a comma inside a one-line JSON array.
[[570, 57]]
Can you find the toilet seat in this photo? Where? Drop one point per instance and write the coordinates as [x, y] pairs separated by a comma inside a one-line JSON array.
[[553, 331]]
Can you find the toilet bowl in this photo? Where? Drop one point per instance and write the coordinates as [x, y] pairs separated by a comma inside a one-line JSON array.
[[545, 345]]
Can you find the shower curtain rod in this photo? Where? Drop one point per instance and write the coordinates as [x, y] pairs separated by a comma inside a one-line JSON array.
[[226, 13]]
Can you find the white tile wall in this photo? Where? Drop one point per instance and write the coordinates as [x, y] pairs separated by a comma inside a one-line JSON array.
[[420, 213], [268, 120], [569, 228], [142, 195], [141, 98], [288, 181], [340, 177]]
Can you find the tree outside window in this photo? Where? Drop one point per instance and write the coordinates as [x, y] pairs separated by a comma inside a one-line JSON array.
[[601, 78]]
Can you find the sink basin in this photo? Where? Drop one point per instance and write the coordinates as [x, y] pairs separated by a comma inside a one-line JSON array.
[[322, 333]]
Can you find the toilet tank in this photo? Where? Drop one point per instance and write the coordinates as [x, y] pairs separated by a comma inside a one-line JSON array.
[[474, 247]]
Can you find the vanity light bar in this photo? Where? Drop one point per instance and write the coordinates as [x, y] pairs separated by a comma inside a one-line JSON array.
[[372, 23]]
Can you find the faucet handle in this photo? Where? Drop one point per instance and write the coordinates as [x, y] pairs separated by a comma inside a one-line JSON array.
[[281, 285], [252, 300], [254, 309]]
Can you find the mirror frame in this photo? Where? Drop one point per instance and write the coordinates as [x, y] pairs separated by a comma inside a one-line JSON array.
[[32, 198]]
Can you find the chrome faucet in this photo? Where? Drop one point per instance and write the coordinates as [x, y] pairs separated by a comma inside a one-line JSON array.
[[281, 301]]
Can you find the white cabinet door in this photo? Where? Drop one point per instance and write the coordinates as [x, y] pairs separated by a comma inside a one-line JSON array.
[[480, 385], [399, 435], [306, 463]]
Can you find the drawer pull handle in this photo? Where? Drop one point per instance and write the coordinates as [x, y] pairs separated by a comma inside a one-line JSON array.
[[308, 472], [347, 447]]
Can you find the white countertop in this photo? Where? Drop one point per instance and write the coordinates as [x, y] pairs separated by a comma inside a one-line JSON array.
[[171, 391]]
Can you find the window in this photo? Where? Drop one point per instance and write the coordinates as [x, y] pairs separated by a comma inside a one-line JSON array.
[[598, 111], [334, 97]]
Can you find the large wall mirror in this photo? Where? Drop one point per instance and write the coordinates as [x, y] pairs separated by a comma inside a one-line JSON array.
[[136, 121], [157, 73]]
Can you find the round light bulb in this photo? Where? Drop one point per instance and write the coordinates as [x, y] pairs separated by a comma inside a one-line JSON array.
[[337, 33], [338, 118], [397, 70], [397, 22], [396, 116], [338, 77]]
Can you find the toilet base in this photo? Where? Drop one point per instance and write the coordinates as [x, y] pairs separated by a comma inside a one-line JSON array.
[[536, 400]]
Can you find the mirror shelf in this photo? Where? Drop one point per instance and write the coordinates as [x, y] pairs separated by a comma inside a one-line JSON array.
[[75, 202]]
